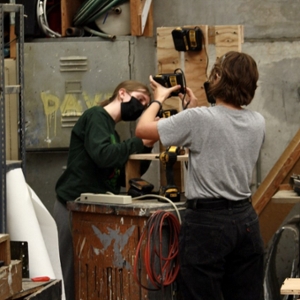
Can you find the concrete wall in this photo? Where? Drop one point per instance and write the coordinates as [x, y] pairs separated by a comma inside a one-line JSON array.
[[271, 31], [271, 36]]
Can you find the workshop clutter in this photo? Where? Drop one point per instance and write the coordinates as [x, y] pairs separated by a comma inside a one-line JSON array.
[[10, 270], [90, 17], [103, 18], [295, 183], [160, 259]]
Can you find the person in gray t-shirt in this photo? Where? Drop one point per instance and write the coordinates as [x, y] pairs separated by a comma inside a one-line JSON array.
[[220, 246]]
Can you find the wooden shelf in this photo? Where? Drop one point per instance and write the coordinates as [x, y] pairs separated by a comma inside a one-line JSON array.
[[154, 156], [133, 164]]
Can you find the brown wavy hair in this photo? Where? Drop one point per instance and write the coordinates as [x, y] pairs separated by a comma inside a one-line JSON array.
[[129, 86], [238, 76]]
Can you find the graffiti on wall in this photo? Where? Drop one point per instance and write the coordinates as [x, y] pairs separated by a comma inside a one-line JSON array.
[[70, 108]]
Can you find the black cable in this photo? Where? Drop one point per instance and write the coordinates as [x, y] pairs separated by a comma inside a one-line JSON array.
[[183, 88]]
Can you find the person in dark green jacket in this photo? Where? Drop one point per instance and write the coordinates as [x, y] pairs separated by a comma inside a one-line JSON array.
[[96, 161]]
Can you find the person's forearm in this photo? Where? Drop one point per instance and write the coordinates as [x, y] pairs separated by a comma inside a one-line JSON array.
[[147, 125]]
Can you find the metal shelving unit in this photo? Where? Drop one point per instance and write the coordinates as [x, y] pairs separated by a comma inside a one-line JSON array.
[[15, 11]]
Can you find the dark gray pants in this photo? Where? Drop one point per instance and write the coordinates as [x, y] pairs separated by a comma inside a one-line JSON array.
[[62, 217], [221, 254]]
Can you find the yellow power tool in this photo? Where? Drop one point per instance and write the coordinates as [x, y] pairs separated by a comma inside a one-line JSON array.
[[168, 159]]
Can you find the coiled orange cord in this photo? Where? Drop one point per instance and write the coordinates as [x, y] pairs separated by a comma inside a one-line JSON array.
[[161, 263]]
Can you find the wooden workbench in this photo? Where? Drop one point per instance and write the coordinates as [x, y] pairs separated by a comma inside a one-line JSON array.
[[51, 289], [105, 239]]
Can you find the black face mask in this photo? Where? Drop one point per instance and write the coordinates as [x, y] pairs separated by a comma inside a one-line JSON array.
[[131, 110]]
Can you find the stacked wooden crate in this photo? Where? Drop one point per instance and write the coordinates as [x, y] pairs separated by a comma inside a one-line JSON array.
[[10, 270]]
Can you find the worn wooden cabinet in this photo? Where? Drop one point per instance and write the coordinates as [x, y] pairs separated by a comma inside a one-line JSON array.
[[105, 242]]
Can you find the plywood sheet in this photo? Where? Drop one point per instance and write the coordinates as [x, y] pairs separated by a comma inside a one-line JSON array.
[[228, 38], [194, 64]]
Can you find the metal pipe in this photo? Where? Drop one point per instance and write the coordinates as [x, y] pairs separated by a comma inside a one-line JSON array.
[[101, 34], [117, 10], [74, 31]]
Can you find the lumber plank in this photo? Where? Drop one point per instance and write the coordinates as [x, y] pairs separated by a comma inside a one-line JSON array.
[[278, 173], [212, 33], [52, 290], [168, 59], [68, 11], [286, 196], [134, 17], [290, 286], [13, 42], [136, 8], [148, 30], [154, 156], [228, 38]]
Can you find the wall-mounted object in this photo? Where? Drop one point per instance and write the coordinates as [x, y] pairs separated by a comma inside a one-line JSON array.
[[187, 39]]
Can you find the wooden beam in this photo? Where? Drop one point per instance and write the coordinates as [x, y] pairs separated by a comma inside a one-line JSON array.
[[145, 14], [141, 15], [68, 10], [290, 286], [278, 173], [12, 42]]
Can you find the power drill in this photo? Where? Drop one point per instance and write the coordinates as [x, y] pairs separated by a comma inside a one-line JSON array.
[[169, 158]]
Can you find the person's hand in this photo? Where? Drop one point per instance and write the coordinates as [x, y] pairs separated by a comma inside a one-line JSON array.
[[190, 98], [160, 92], [149, 143]]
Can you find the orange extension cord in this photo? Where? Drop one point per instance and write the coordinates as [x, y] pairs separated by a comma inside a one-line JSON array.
[[161, 270]]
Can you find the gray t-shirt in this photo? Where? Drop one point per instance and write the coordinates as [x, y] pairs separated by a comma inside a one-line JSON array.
[[224, 145]]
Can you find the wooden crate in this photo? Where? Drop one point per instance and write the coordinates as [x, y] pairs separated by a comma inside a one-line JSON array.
[[10, 279], [105, 240]]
